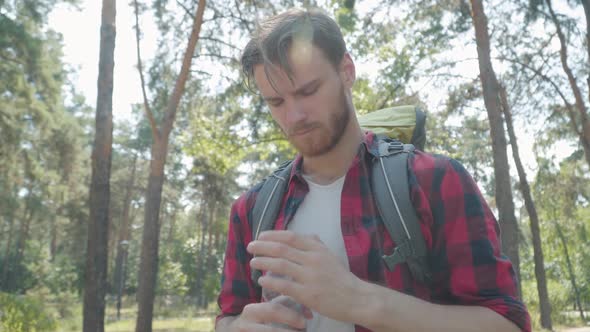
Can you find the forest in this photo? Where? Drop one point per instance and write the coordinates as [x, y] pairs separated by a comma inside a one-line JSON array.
[[119, 223]]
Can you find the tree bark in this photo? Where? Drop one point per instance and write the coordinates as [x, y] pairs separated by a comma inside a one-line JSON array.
[[580, 105], [209, 209], [53, 235], [201, 220], [148, 267], [7, 260], [172, 227], [570, 269], [533, 218], [586, 5], [98, 226], [491, 94], [123, 236]]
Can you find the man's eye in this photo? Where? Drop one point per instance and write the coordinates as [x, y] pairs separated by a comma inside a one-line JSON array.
[[309, 91], [275, 103]]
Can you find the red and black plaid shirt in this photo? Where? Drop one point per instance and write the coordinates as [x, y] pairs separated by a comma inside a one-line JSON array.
[[460, 232]]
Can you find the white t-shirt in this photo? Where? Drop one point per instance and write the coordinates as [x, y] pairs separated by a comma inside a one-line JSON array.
[[319, 214]]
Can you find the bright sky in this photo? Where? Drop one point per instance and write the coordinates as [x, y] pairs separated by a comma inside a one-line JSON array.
[[81, 34]]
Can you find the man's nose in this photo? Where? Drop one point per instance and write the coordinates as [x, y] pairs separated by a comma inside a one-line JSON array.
[[295, 112]]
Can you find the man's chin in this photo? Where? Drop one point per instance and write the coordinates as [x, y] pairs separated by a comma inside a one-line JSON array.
[[312, 149]]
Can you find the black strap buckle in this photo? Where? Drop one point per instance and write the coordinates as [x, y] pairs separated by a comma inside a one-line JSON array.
[[400, 254], [389, 147]]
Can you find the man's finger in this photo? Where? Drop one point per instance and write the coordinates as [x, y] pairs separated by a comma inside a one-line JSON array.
[[278, 265], [282, 286], [276, 249], [270, 312], [300, 241]]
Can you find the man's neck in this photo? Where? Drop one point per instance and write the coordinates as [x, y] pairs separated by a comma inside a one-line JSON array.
[[334, 164]]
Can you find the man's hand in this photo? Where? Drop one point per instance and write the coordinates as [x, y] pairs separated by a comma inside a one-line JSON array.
[[319, 280], [258, 317]]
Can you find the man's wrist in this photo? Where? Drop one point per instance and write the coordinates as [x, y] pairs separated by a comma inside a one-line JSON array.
[[370, 310], [224, 324]]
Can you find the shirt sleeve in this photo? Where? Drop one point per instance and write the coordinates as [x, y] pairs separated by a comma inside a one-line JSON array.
[[237, 288], [466, 259]]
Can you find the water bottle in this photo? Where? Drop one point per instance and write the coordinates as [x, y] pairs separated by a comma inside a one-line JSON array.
[[275, 297]]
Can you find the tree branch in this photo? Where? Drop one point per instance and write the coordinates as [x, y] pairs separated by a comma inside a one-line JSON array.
[[148, 111], [246, 23], [234, 47], [546, 78], [385, 100], [217, 56], [572, 80], [538, 72], [186, 10], [174, 100]]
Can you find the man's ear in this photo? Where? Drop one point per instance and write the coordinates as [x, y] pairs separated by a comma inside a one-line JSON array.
[[347, 70]]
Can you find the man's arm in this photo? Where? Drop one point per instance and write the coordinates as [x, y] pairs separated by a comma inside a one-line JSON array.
[[384, 310], [223, 324], [311, 267]]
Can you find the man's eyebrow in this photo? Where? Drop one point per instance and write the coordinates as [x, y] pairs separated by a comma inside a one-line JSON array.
[[271, 99], [307, 85], [299, 91]]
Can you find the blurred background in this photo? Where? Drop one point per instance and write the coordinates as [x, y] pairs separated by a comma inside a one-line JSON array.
[[126, 131]]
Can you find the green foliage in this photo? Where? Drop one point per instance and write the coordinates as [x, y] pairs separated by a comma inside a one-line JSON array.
[[61, 276], [171, 279], [23, 314], [43, 147], [19, 276]]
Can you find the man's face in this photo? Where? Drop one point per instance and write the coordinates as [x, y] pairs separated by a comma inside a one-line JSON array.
[[314, 109]]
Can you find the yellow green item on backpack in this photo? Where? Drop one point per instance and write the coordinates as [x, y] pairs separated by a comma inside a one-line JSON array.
[[405, 123]]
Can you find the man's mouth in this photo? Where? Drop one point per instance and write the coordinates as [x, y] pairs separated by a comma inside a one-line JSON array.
[[303, 131]]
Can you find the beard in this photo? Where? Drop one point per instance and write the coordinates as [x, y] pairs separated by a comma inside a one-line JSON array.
[[323, 137]]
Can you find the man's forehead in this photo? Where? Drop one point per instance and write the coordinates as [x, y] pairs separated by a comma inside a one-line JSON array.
[[279, 81], [273, 81], [302, 58]]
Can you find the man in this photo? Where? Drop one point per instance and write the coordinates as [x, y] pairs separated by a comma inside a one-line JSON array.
[[328, 236]]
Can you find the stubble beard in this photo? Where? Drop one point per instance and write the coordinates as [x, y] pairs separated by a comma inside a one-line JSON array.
[[322, 140]]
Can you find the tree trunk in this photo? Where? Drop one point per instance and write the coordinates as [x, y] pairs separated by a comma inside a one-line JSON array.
[[148, 267], [586, 5], [201, 221], [533, 217], [203, 253], [123, 238], [570, 269], [491, 95], [584, 134], [53, 235], [98, 226], [172, 222], [6, 264]]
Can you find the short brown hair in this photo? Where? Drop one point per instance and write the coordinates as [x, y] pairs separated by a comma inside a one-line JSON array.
[[273, 38]]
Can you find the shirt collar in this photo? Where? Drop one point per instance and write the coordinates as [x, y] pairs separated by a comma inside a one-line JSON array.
[[369, 144]]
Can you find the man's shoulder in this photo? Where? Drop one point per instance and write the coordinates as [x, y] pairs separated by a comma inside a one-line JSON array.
[[429, 169], [247, 199], [421, 161]]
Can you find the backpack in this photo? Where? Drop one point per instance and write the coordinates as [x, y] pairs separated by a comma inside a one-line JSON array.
[[399, 131]]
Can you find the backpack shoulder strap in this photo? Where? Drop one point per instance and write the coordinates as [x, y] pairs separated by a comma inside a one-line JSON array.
[[267, 204], [391, 191]]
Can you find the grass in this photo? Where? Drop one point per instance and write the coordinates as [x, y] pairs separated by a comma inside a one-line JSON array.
[[168, 317], [202, 324]]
